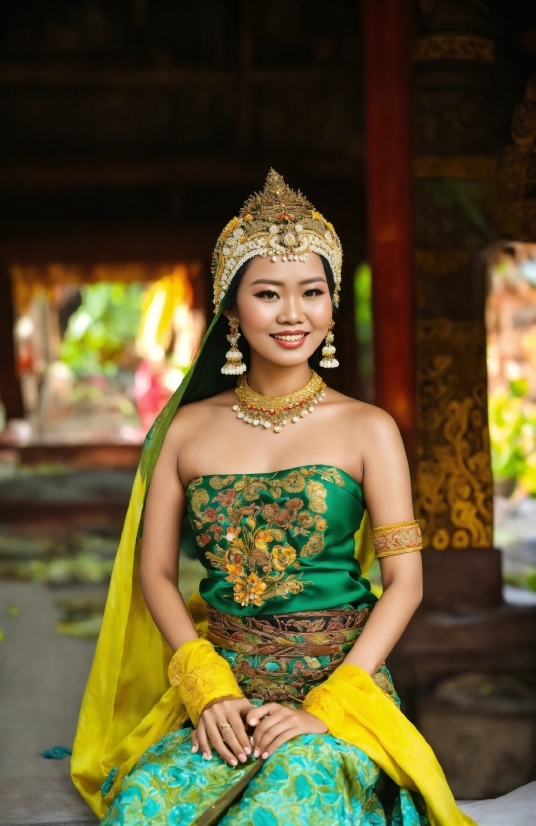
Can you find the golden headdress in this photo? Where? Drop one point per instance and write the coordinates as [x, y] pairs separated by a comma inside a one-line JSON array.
[[276, 222]]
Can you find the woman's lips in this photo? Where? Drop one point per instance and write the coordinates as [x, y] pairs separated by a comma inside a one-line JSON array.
[[291, 339]]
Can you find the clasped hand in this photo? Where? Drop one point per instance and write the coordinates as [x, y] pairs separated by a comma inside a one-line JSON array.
[[222, 726]]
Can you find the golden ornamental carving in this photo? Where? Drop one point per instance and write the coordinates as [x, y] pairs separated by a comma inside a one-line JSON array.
[[517, 170], [524, 123], [454, 47], [513, 169], [454, 484]]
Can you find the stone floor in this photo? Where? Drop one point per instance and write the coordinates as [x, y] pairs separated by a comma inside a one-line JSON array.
[[42, 676]]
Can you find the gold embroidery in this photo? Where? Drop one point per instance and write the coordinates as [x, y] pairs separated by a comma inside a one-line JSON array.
[[278, 657], [257, 558], [398, 538]]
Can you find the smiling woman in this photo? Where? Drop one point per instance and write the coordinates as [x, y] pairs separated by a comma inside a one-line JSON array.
[[278, 666]]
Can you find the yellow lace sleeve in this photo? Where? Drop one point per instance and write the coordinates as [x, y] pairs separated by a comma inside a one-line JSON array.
[[324, 705], [200, 675], [398, 538]]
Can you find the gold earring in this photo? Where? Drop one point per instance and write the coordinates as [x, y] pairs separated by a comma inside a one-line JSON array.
[[328, 350], [234, 366]]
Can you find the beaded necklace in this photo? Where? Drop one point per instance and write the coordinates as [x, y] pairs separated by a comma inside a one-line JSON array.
[[277, 411]]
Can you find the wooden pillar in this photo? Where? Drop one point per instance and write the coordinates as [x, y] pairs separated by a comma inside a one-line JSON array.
[[388, 176], [455, 200], [10, 391]]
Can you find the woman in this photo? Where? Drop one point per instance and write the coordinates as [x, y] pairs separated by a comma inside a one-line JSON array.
[[280, 709]]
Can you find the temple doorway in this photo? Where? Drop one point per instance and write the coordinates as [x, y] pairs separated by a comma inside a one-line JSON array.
[[511, 360], [100, 348]]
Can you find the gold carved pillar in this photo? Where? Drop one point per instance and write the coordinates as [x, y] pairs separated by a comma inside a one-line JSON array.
[[456, 145]]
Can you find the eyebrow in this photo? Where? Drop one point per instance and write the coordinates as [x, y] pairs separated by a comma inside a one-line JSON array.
[[282, 283]]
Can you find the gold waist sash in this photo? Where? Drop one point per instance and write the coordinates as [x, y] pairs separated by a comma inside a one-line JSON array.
[[279, 657], [309, 633]]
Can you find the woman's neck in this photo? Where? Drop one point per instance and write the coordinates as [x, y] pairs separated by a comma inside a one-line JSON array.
[[270, 379]]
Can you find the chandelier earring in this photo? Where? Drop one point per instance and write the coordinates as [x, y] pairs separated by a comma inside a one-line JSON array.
[[234, 366], [328, 350]]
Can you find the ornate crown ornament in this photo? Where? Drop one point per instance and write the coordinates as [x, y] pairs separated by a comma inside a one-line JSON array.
[[277, 223]]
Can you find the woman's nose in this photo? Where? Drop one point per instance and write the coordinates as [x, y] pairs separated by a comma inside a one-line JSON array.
[[291, 312]]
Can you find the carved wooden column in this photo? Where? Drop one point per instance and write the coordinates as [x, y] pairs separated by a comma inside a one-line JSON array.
[[10, 392], [457, 141]]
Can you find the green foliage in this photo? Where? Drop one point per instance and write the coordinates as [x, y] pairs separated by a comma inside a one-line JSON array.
[[512, 423], [99, 330], [363, 323], [363, 303]]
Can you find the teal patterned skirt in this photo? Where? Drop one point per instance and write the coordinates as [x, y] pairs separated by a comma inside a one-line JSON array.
[[313, 779]]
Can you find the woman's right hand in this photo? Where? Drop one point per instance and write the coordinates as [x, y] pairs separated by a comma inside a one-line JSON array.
[[230, 742]]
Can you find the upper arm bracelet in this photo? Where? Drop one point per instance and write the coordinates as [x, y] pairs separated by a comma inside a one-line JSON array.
[[398, 538]]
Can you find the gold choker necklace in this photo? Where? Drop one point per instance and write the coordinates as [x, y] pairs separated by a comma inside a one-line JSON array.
[[277, 411]]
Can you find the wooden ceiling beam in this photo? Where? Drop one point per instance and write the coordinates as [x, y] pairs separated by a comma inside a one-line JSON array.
[[18, 175], [113, 243], [42, 74]]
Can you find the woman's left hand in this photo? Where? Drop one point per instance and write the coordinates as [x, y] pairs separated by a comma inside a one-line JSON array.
[[275, 724]]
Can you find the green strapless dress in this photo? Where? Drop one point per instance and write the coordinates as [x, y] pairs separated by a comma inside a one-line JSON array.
[[286, 601]]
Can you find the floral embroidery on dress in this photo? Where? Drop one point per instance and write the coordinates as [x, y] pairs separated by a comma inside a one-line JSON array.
[[249, 536]]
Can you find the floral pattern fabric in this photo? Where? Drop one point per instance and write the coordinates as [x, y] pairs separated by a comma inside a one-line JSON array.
[[314, 779], [267, 533]]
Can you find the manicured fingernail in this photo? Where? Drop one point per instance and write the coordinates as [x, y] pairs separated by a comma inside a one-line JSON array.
[[264, 755], [242, 758], [253, 721], [256, 753], [206, 756], [247, 750], [233, 763], [194, 749]]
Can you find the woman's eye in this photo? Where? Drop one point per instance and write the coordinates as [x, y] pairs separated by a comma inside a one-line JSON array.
[[313, 292], [270, 294]]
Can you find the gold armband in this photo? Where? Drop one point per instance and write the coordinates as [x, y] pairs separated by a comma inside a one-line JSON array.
[[200, 675], [398, 538]]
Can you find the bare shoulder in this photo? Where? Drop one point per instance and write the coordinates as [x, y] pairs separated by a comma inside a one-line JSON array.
[[190, 418], [363, 421]]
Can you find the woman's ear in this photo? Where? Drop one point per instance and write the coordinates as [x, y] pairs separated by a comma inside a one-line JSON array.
[[230, 312]]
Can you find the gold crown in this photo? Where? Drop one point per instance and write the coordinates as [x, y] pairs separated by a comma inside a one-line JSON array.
[[275, 223]]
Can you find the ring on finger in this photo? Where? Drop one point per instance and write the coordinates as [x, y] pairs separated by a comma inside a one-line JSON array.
[[221, 726]]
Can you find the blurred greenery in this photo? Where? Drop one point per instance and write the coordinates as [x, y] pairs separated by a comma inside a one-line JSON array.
[[99, 330], [363, 303], [522, 579], [363, 323], [512, 422]]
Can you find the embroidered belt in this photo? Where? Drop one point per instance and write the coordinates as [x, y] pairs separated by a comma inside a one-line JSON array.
[[279, 657], [311, 633]]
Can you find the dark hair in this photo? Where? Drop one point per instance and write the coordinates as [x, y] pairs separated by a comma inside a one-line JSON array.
[[230, 301]]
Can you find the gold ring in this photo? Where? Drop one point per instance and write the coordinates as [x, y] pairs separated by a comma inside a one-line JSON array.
[[221, 726]]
